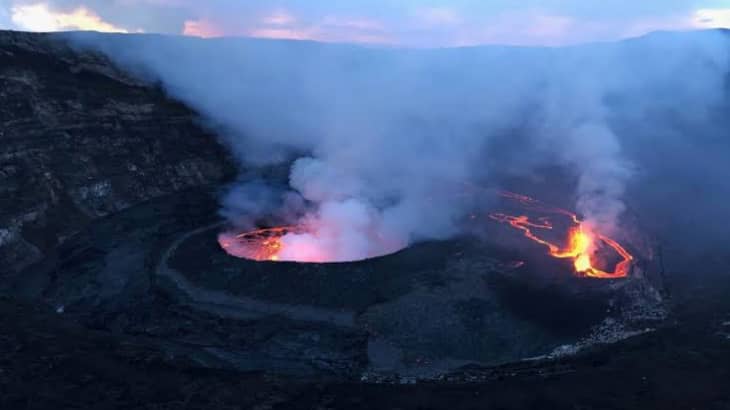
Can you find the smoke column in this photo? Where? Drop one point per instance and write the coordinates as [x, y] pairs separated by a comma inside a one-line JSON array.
[[380, 143]]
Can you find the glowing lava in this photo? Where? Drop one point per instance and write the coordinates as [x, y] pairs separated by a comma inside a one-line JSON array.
[[582, 242], [260, 245]]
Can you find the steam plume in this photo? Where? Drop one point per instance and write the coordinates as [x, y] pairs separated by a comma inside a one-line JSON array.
[[387, 139]]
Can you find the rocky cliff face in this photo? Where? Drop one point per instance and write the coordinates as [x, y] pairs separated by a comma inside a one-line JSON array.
[[80, 140]]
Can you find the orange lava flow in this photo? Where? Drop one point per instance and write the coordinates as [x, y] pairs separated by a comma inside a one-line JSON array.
[[581, 245], [260, 245]]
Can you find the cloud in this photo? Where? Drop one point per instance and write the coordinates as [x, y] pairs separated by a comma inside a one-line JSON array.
[[279, 18], [283, 25], [712, 18], [279, 24], [413, 23], [527, 28], [38, 17], [201, 28], [438, 16], [283, 33], [353, 23]]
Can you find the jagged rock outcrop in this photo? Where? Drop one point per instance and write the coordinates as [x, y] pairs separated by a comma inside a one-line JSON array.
[[80, 140]]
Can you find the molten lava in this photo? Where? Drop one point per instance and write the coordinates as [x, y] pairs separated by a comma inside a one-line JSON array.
[[582, 243], [260, 245]]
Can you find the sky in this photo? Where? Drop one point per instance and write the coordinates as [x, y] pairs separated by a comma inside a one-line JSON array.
[[409, 23]]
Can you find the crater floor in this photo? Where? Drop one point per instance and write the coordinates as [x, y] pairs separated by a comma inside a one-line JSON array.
[[156, 271]]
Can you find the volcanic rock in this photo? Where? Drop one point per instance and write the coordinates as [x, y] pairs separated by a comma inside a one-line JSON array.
[[80, 140]]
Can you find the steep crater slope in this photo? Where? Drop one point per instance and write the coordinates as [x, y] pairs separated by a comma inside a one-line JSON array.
[[81, 140]]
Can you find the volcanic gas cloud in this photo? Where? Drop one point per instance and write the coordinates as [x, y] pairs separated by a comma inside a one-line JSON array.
[[379, 141]]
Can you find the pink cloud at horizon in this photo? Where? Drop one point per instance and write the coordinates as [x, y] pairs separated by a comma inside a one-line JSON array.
[[38, 17], [447, 28], [202, 28], [282, 25], [419, 26]]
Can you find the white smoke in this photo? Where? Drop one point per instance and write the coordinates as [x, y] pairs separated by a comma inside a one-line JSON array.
[[387, 139], [576, 121]]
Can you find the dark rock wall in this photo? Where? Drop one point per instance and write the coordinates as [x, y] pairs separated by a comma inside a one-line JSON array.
[[80, 140]]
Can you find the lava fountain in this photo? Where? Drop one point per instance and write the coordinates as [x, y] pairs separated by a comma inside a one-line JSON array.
[[583, 242]]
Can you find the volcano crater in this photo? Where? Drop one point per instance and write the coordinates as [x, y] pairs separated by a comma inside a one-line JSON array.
[[156, 270], [493, 305]]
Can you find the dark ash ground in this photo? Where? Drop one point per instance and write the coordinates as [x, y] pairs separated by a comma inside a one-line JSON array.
[[130, 315]]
